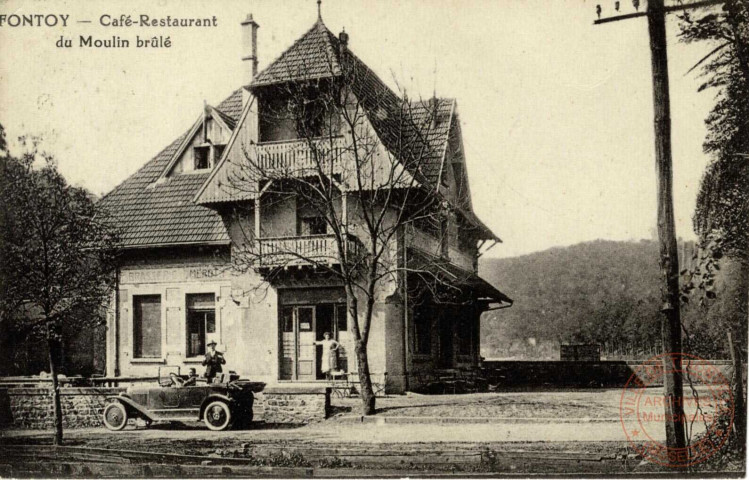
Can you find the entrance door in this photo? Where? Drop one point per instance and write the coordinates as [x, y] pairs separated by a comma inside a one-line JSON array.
[[297, 343], [306, 327]]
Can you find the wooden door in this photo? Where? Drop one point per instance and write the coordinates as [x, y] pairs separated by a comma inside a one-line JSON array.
[[305, 323], [297, 343], [288, 344]]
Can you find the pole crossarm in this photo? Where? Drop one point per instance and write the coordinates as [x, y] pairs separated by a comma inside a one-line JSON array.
[[667, 9]]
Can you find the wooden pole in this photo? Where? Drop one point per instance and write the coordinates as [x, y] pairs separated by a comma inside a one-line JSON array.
[[669, 261], [737, 389]]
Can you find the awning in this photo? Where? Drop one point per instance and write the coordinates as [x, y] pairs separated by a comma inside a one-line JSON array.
[[443, 271]]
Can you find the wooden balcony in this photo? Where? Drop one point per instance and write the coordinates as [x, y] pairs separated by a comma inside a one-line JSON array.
[[432, 246], [298, 251], [298, 156]]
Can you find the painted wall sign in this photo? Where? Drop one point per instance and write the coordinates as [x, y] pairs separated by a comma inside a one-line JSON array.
[[166, 275]]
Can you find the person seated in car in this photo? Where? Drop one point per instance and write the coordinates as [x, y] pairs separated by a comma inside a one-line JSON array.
[[192, 378]]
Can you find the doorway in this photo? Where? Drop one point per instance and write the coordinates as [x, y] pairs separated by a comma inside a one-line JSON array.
[[301, 327]]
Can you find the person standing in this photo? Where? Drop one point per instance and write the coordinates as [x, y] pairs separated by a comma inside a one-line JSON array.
[[213, 361], [329, 354]]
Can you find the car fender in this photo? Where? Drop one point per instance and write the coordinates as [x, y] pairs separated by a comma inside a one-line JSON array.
[[130, 405], [212, 397]]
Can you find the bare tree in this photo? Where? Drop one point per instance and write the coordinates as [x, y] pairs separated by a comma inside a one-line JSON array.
[[360, 160]]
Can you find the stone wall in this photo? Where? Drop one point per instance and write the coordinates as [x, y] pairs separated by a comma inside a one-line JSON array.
[[32, 407], [578, 374], [295, 404]]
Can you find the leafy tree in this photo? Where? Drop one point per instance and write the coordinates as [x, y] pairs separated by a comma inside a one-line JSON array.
[[58, 256], [722, 215], [723, 201]]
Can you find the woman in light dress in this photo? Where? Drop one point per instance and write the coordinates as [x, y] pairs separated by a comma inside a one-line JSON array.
[[329, 354]]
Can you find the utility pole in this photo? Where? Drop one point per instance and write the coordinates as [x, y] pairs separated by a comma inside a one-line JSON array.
[[669, 260]]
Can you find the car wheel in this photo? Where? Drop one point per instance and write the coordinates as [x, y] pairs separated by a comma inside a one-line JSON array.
[[217, 415], [115, 416]]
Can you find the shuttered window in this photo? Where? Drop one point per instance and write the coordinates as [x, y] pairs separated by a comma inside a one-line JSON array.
[[147, 326]]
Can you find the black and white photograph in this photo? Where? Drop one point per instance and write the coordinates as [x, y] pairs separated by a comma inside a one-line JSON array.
[[374, 239]]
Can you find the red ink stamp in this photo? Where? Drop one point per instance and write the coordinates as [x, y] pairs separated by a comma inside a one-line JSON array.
[[643, 417]]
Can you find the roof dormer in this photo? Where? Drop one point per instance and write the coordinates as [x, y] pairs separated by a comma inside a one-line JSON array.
[[203, 146]]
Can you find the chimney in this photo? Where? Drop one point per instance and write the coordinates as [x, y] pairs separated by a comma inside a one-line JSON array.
[[249, 49], [343, 39], [434, 105]]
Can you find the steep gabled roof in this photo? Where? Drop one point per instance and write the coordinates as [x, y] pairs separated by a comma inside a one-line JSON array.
[[313, 55], [405, 128], [224, 117], [149, 213], [164, 213]]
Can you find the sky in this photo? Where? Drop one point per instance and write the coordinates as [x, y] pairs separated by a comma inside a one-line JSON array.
[[556, 113]]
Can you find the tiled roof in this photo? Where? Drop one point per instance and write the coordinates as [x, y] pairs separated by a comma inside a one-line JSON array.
[[228, 120], [232, 105], [415, 132], [149, 213], [317, 54], [312, 56]]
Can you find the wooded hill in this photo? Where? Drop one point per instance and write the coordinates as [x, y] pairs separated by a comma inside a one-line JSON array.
[[593, 292]]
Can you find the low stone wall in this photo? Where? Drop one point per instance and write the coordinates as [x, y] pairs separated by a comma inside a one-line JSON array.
[[295, 404], [32, 407], [577, 373]]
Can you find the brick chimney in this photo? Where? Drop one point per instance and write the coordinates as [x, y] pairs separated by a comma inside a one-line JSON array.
[[249, 49]]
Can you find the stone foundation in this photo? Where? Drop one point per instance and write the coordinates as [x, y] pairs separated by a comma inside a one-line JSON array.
[[295, 404]]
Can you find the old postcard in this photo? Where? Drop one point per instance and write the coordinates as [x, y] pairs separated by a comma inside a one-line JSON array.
[[399, 238]]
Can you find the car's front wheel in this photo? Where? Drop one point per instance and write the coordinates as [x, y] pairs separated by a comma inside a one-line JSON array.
[[115, 416], [217, 415]]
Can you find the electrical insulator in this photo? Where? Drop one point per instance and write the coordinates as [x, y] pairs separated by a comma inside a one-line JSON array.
[[598, 10], [636, 4], [616, 6]]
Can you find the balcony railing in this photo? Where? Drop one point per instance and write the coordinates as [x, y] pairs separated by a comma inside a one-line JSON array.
[[299, 156], [431, 245], [307, 250]]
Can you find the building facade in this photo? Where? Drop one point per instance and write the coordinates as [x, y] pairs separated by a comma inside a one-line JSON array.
[[187, 224]]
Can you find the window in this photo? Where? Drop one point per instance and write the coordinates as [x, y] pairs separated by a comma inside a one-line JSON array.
[[311, 226], [306, 317], [147, 326], [288, 319], [465, 335], [206, 156], [202, 157], [218, 150], [287, 116], [423, 330], [309, 220], [341, 319], [201, 322]]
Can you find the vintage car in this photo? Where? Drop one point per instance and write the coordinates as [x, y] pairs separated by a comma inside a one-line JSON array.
[[220, 404]]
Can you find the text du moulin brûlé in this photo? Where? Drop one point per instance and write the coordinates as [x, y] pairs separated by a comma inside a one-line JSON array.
[[116, 41]]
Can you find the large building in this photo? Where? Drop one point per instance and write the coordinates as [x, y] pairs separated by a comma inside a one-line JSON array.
[[186, 224]]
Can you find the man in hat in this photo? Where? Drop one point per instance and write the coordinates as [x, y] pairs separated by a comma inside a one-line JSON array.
[[213, 361]]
